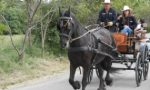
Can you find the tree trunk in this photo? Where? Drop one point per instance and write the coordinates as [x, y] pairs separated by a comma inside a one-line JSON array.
[[20, 57], [42, 39], [43, 44], [30, 33]]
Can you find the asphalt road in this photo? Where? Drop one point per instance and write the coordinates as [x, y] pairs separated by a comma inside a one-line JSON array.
[[123, 80]]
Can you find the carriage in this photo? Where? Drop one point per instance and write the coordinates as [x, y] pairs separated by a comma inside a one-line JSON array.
[[133, 50], [133, 53], [85, 46]]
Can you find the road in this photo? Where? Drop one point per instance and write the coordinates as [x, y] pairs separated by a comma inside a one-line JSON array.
[[123, 80]]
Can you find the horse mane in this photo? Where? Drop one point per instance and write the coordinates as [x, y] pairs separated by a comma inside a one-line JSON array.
[[83, 27], [77, 21]]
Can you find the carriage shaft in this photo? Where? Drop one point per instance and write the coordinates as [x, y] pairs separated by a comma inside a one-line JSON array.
[[124, 68]]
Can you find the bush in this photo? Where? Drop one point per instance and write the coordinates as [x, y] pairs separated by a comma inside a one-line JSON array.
[[16, 19], [2, 28]]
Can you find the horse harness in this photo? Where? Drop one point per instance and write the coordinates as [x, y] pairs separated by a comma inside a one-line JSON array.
[[84, 48]]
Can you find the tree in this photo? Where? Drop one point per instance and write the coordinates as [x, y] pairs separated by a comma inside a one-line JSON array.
[[32, 7]]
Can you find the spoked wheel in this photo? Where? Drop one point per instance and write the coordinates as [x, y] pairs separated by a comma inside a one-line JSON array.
[[138, 69], [145, 70], [145, 63], [90, 76]]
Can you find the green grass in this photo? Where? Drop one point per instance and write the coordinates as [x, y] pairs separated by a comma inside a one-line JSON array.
[[12, 72], [8, 56], [148, 29]]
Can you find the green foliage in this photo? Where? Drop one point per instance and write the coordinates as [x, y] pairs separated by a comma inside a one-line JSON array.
[[83, 12], [35, 51], [14, 12], [8, 56], [15, 18], [3, 5], [2, 28]]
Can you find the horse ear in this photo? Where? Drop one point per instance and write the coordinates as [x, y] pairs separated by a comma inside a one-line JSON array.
[[69, 11], [60, 13]]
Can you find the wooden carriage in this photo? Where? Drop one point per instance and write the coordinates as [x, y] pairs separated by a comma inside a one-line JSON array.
[[127, 45], [124, 43]]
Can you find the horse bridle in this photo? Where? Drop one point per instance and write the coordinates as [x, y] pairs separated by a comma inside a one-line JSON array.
[[69, 21], [70, 39]]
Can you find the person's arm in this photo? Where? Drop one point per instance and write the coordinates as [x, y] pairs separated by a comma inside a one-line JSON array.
[[114, 17], [99, 17], [119, 21], [134, 25]]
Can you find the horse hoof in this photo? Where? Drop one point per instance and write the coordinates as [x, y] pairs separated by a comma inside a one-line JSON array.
[[77, 85], [109, 82]]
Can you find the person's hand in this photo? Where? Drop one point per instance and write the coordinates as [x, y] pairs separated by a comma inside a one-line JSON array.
[[145, 25], [117, 24], [102, 24], [126, 26], [110, 23], [119, 17], [144, 31]]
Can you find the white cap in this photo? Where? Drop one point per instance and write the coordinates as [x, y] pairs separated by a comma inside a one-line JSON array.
[[106, 1], [126, 8]]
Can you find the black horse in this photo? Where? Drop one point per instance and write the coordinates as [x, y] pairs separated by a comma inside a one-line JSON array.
[[84, 49]]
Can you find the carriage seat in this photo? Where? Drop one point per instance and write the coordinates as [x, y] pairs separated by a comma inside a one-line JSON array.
[[123, 42]]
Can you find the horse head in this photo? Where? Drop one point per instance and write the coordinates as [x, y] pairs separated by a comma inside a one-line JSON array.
[[65, 27]]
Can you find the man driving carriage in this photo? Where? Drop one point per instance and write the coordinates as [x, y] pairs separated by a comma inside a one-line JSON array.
[[107, 16]]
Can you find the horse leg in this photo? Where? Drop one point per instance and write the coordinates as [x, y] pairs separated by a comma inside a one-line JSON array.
[[85, 77], [101, 85], [75, 84], [108, 79]]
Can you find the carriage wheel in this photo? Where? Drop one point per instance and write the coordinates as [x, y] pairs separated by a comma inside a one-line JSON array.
[[145, 64], [145, 70], [138, 69], [90, 76]]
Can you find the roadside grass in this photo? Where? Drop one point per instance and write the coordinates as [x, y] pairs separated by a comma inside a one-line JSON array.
[[12, 72], [148, 29]]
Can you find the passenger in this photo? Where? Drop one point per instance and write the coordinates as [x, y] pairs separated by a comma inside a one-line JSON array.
[[107, 16], [140, 31], [127, 22]]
